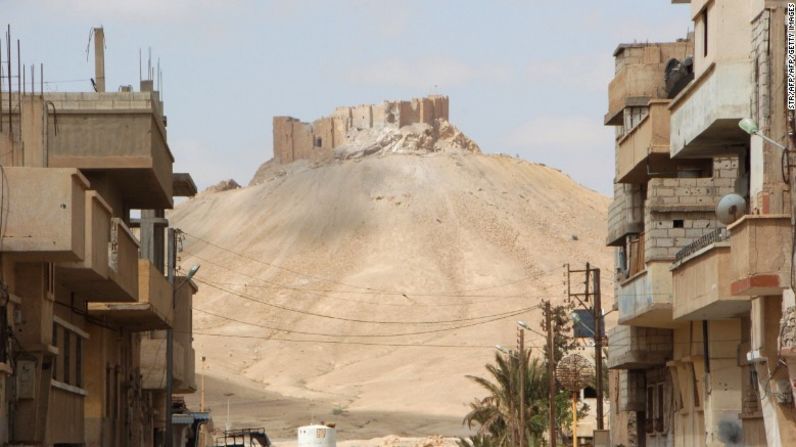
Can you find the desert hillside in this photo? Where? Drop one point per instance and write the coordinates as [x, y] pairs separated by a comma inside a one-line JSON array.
[[363, 289]]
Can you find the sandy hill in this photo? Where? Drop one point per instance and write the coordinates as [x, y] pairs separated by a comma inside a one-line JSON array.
[[362, 289]]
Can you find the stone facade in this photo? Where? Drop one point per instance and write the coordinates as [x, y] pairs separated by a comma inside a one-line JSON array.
[[297, 140]]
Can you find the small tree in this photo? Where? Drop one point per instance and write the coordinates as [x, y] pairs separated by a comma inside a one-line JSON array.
[[498, 414]]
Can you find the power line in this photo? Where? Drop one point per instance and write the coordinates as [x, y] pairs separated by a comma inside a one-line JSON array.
[[326, 334], [355, 320], [370, 289], [340, 342], [317, 292]]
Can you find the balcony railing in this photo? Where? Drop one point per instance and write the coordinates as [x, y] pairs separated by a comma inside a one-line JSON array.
[[121, 133], [709, 238], [702, 281], [646, 299], [45, 214], [645, 147], [109, 270], [153, 362], [705, 114], [761, 255], [153, 309], [638, 347], [634, 85]]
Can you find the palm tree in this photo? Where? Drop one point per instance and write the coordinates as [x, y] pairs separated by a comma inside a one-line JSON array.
[[497, 415]]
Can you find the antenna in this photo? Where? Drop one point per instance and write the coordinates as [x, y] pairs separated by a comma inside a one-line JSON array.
[[8, 48]]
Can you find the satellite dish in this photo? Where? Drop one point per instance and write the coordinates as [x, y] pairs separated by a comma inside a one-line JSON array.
[[730, 208]]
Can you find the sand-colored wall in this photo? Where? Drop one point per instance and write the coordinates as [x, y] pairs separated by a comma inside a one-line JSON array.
[[296, 140]]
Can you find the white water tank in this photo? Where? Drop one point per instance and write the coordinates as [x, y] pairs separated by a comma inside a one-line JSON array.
[[316, 436]]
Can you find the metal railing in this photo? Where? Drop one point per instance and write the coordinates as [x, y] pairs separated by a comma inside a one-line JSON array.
[[717, 235]]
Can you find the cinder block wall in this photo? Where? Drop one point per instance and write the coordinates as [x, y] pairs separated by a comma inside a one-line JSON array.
[[296, 140], [689, 201], [626, 212]]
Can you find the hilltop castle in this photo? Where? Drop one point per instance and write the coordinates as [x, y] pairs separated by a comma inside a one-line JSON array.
[[297, 140]]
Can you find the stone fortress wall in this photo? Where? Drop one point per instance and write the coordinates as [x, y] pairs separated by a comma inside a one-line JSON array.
[[297, 140]]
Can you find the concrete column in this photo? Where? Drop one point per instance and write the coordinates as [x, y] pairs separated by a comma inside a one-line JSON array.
[[723, 399], [99, 59], [34, 131]]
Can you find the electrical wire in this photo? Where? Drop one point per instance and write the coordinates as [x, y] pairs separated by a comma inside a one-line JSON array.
[[326, 334], [354, 286], [317, 292], [356, 320], [339, 342]]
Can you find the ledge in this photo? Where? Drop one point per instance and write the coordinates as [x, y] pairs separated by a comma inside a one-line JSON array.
[[68, 388]]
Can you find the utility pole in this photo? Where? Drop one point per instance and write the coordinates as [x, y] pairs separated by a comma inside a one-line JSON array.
[[592, 290], [202, 386], [551, 372], [171, 265], [598, 346], [521, 358]]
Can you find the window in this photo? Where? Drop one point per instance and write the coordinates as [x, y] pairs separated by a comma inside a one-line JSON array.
[[68, 365], [108, 391], [55, 343], [695, 390], [318, 142], [650, 409], [705, 31], [79, 362], [677, 223], [659, 409], [4, 334], [65, 355]]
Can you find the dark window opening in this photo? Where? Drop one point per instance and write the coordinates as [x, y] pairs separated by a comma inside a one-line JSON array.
[[108, 391], [67, 360], [705, 31], [4, 334], [589, 393], [650, 409], [678, 223], [318, 142], [55, 343], [78, 362], [659, 409]]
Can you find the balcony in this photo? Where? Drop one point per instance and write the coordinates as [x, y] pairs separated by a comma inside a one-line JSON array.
[[152, 311], [121, 134], [761, 247], [633, 86], [45, 216], [645, 147], [705, 114], [153, 363], [645, 299], [187, 383], [638, 348], [702, 277], [631, 395], [109, 269], [625, 214], [183, 333]]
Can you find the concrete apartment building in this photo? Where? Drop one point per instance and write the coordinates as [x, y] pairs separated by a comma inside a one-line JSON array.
[[89, 296], [703, 353]]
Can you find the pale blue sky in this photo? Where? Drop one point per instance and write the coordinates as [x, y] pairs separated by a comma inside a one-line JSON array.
[[524, 77]]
